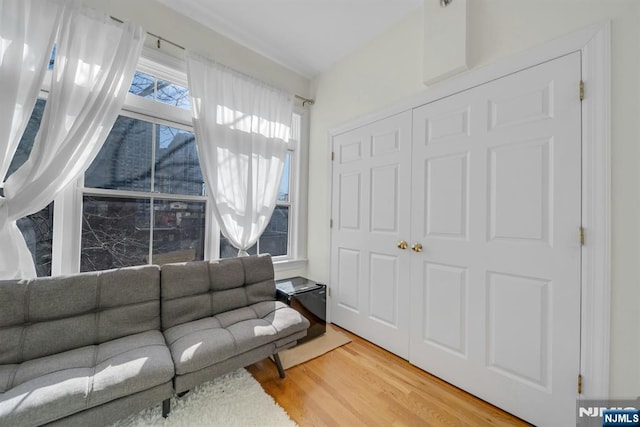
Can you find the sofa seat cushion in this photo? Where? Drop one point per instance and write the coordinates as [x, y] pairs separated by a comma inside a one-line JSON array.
[[52, 387], [201, 343]]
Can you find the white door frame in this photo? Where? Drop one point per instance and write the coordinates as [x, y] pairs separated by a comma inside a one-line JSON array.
[[594, 44]]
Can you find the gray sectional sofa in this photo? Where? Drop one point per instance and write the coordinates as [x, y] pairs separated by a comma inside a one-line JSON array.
[[90, 348], [220, 316]]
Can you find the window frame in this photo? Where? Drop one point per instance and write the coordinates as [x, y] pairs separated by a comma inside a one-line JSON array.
[[67, 228], [152, 195]]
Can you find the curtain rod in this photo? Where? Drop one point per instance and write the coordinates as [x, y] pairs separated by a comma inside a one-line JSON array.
[[304, 100], [160, 38]]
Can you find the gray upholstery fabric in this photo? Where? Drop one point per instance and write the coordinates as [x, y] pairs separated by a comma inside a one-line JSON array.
[[128, 365], [289, 341], [110, 412], [194, 290], [56, 386], [196, 345], [6, 376], [188, 381], [70, 343], [87, 349], [46, 398], [36, 315], [228, 273], [223, 317]]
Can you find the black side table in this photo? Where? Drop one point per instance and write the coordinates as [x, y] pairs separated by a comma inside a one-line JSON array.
[[309, 299]]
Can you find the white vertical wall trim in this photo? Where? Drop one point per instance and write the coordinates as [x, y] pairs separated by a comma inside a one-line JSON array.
[[596, 211], [67, 226], [301, 188], [445, 40], [329, 163]]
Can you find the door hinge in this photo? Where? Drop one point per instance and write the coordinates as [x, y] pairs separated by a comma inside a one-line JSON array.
[[581, 235], [579, 383], [328, 291], [333, 156], [330, 223], [581, 90]]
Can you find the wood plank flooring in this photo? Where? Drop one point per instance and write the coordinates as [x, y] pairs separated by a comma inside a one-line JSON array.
[[361, 384]]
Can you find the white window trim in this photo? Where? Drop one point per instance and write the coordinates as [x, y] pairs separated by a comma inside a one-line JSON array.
[[299, 196], [67, 228]]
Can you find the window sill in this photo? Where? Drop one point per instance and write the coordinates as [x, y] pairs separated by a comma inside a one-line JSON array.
[[289, 265]]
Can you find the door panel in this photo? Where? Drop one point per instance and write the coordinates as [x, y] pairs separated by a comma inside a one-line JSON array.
[[371, 199], [519, 191], [384, 199], [446, 196], [521, 352], [495, 294], [349, 278], [384, 277], [445, 307]]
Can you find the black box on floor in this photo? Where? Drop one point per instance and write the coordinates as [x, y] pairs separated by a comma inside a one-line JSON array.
[[307, 297]]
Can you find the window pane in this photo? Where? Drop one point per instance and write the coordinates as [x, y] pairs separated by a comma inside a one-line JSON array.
[[29, 136], [37, 230], [173, 94], [177, 168], [115, 232], [124, 162], [283, 194], [52, 58], [143, 85], [228, 251], [178, 233], [148, 86], [275, 238]]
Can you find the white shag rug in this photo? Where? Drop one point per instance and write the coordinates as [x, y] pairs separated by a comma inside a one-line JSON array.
[[235, 399]]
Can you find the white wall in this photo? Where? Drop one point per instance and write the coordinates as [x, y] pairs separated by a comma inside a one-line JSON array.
[[163, 21], [389, 69]]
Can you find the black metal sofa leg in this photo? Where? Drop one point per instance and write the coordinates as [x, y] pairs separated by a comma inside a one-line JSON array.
[[276, 359], [166, 408]]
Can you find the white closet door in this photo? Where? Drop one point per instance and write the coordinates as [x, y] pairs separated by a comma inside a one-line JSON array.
[[371, 214], [495, 296]]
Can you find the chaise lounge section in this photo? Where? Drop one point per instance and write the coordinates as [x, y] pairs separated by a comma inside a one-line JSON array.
[[223, 315], [82, 349]]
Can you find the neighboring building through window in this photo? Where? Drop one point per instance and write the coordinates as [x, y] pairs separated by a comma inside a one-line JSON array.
[[143, 198], [37, 229]]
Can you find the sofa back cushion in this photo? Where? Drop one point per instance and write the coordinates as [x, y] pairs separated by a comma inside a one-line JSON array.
[[195, 290], [49, 315]]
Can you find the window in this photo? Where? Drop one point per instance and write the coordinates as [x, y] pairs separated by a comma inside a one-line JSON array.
[[166, 92], [276, 238], [37, 229], [143, 197]]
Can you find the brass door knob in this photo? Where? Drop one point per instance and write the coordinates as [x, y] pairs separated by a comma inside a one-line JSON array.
[[403, 245], [417, 247]]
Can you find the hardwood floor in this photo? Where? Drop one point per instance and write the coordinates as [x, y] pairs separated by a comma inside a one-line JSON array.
[[362, 384]]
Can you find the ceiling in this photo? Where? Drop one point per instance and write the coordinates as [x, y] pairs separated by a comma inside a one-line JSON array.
[[306, 36]]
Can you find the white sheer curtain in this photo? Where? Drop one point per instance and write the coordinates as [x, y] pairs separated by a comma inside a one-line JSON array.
[[27, 30], [94, 65], [242, 127]]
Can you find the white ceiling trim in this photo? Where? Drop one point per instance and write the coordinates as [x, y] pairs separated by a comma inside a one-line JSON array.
[[306, 36]]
